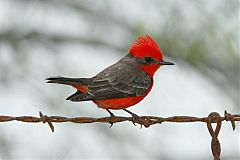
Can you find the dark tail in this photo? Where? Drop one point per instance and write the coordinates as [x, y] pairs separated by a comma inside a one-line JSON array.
[[68, 81]]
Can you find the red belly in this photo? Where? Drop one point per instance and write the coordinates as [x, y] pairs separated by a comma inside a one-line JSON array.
[[118, 103]]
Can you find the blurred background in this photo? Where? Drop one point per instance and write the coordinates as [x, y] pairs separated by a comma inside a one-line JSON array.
[[77, 38]]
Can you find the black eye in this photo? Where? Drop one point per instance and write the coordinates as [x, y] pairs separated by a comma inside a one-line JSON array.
[[148, 59]]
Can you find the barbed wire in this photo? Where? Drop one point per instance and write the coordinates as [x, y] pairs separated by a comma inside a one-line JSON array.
[[145, 121]]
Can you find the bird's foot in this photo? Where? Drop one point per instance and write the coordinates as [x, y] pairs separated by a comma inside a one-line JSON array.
[[110, 121], [134, 116], [110, 118]]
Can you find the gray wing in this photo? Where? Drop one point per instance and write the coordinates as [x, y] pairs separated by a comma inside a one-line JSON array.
[[116, 82]]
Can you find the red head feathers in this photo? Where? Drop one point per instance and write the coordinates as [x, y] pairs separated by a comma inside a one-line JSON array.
[[145, 47]]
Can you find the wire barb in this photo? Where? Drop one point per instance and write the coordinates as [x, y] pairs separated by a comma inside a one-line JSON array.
[[46, 119], [229, 117]]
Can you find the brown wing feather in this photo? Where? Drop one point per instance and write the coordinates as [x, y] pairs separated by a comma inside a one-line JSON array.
[[117, 83]]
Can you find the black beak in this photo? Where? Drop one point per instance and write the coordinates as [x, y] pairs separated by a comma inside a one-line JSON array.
[[162, 62]]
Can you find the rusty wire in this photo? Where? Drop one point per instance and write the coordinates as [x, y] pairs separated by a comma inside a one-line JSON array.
[[146, 121]]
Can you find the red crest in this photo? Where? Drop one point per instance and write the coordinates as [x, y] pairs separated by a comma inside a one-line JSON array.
[[145, 46]]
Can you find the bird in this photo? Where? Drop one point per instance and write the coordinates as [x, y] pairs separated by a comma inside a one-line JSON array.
[[123, 84]]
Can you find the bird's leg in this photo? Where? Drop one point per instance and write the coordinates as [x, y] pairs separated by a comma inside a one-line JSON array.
[[134, 116], [110, 119]]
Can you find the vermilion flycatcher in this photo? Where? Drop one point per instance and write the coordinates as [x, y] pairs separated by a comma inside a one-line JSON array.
[[122, 84]]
